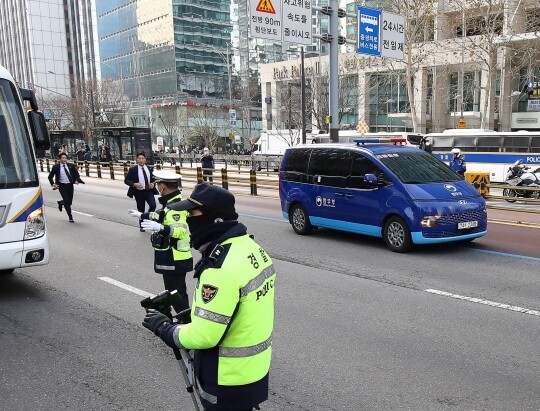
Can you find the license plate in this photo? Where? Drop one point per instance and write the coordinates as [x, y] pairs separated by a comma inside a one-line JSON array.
[[467, 224]]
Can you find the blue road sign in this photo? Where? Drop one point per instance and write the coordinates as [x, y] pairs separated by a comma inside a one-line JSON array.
[[369, 31]]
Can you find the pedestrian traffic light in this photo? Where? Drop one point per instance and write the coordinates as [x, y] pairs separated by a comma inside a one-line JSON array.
[[231, 136]]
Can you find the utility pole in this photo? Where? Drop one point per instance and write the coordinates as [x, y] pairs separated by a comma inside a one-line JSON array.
[[303, 94], [335, 40]]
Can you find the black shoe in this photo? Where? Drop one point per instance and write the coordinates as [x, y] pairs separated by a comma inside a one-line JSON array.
[[141, 230], [71, 220], [60, 204]]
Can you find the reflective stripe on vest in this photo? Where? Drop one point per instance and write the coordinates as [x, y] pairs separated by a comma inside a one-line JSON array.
[[238, 352], [165, 267], [258, 281], [212, 316], [179, 225]]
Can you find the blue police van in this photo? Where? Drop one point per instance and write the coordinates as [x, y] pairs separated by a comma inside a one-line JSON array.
[[396, 192]]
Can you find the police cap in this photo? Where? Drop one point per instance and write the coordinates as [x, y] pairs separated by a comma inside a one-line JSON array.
[[166, 176], [206, 195]]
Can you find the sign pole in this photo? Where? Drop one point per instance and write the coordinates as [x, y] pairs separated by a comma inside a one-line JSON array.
[[303, 94], [334, 72]]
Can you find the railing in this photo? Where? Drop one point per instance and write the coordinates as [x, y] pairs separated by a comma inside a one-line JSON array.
[[241, 176]]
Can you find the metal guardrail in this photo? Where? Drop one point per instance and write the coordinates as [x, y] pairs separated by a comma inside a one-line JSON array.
[[241, 177]]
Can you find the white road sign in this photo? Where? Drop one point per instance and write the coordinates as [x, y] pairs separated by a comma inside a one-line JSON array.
[[392, 35], [266, 19], [297, 21]]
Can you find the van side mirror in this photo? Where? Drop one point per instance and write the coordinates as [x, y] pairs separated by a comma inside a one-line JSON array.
[[40, 134], [371, 179]]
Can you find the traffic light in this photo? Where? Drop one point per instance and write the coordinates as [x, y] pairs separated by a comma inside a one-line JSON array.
[[231, 136]]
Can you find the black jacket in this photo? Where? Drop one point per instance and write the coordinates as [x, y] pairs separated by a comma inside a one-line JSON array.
[[55, 173], [133, 177]]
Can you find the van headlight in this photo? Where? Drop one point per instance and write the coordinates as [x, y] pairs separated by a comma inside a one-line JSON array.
[[430, 221], [35, 225]]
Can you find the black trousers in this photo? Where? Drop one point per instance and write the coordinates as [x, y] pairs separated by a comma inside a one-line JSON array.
[[177, 281], [66, 191], [143, 197]]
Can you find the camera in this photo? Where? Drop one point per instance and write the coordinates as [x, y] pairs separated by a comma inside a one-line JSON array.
[[162, 302]]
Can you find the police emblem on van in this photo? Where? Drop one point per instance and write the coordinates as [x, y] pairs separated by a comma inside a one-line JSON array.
[[450, 188], [208, 292]]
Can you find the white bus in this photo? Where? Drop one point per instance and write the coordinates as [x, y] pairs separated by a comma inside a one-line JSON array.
[[23, 235], [488, 151]]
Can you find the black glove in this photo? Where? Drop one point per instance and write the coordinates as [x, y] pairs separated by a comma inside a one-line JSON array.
[[155, 321]]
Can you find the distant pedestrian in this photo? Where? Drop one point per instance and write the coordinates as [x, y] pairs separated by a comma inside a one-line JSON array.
[[88, 156], [140, 180], [62, 177], [207, 164], [80, 154]]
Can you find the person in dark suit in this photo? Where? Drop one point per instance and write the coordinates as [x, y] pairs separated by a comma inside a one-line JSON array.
[[65, 175], [140, 180]]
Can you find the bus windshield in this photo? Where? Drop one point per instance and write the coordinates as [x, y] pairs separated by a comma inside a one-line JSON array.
[[17, 165], [418, 168]]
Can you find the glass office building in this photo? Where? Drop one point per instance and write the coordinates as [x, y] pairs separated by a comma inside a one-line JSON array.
[[166, 50]]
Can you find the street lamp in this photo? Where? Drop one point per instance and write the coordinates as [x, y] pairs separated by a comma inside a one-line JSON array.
[[388, 102]]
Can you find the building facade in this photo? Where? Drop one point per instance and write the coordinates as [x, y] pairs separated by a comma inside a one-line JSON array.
[[48, 45], [485, 76]]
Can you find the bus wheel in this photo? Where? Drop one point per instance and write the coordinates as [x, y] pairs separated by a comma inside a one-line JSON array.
[[300, 220], [397, 235], [508, 192], [4, 272]]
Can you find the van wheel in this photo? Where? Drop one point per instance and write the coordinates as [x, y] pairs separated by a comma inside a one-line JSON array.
[[300, 220], [5, 272], [397, 235]]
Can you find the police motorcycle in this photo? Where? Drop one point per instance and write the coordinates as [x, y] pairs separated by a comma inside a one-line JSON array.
[[518, 175]]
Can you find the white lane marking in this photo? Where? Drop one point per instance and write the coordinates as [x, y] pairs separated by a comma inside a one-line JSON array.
[[485, 302], [78, 212], [127, 287]]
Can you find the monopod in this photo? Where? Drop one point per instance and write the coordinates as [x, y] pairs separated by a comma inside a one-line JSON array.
[[162, 303]]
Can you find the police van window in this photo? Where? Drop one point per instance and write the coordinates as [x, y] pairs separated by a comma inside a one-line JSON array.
[[418, 168], [329, 167], [361, 165], [296, 165]]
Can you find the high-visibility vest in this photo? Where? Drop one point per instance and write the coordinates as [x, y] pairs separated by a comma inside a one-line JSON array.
[[233, 313], [178, 239]]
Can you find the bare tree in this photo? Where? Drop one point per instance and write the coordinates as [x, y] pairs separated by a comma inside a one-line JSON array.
[[203, 126]]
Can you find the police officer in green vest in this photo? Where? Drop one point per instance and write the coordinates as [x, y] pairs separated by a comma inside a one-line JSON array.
[[232, 313], [170, 237]]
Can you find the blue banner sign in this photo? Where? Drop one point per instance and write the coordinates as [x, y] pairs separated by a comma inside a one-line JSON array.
[[369, 31]]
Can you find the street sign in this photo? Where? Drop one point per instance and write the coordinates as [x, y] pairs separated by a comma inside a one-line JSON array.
[[462, 123], [362, 128], [266, 19], [392, 35], [297, 24], [380, 33], [369, 30], [232, 117]]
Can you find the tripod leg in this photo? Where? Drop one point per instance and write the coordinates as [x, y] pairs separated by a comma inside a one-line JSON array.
[[186, 368]]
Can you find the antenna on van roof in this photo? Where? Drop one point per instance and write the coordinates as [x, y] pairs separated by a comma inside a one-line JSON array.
[[376, 140]]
